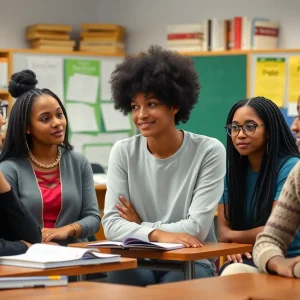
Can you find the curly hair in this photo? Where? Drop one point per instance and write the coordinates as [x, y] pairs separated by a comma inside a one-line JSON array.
[[170, 76]]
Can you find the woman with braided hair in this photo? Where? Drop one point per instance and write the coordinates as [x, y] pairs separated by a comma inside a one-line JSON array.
[[261, 152], [51, 180]]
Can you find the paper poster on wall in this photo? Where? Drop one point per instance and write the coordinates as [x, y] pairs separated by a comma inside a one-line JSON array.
[[270, 79], [98, 153], [107, 67], [82, 80], [80, 139], [294, 85], [82, 117], [113, 119], [49, 71]]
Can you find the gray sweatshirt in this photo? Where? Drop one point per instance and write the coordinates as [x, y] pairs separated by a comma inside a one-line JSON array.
[[176, 194]]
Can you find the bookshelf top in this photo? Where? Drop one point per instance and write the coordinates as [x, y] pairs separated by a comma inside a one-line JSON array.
[[241, 52], [5, 52], [33, 51]]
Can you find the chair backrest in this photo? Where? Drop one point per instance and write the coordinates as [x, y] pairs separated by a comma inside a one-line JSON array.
[[97, 168]]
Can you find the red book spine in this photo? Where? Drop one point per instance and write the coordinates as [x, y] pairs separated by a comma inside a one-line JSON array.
[[182, 36], [266, 31], [237, 32]]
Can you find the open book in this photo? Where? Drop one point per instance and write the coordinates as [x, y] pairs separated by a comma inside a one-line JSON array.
[[43, 256], [32, 281], [131, 243]]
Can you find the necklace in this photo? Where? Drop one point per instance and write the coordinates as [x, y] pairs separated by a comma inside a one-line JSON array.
[[50, 166]]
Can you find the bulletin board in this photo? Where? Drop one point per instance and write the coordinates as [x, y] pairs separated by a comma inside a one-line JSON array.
[[82, 83]]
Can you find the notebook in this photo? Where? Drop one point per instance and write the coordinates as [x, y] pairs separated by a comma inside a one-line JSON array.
[[32, 282], [43, 256], [131, 243]]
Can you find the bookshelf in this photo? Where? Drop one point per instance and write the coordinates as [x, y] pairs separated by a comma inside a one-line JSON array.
[[4, 94]]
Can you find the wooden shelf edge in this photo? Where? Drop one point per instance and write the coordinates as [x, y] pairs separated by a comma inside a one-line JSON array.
[[201, 53], [82, 53], [235, 52]]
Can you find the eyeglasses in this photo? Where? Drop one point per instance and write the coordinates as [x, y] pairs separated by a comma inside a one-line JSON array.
[[4, 110], [248, 128]]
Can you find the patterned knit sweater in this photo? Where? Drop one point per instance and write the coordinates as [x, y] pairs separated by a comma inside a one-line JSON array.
[[283, 223]]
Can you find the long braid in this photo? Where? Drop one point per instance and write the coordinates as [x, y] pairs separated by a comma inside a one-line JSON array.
[[281, 144]]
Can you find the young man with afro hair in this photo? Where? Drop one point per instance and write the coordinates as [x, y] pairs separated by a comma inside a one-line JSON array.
[[163, 184]]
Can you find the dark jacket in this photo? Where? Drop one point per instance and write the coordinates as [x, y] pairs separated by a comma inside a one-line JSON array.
[[16, 224]]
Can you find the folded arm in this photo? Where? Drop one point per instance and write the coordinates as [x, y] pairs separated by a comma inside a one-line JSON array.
[[207, 192]]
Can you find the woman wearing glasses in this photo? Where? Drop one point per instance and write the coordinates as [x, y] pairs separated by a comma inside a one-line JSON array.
[[261, 152], [3, 117]]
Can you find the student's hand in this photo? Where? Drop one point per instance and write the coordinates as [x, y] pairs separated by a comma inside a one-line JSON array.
[[4, 186], [283, 266], [237, 258], [127, 211], [62, 233], [173, 237]]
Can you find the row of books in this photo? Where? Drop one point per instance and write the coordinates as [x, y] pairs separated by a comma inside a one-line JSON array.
[[239, 33], [105, 38]]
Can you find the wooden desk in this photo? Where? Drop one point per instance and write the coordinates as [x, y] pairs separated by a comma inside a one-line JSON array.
[[251, 286], [96, 291], [186, 255], [100, 187], [125, 263]]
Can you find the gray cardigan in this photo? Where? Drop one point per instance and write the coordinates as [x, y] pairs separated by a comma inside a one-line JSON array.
[[79, 202]]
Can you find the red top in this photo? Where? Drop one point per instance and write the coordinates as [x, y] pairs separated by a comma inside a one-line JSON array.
[[52, 197]]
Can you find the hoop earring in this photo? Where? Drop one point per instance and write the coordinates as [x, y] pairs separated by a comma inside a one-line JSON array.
[[268, 147], [27, 145]]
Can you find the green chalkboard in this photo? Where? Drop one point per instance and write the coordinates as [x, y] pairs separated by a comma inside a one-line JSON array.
[[224, 80]]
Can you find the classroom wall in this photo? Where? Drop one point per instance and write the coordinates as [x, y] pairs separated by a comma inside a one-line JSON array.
[[146, 20], [15, 15]]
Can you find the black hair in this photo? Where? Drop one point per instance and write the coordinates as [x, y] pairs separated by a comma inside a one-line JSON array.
[[22, 86], [281, 143], [170, 76]]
